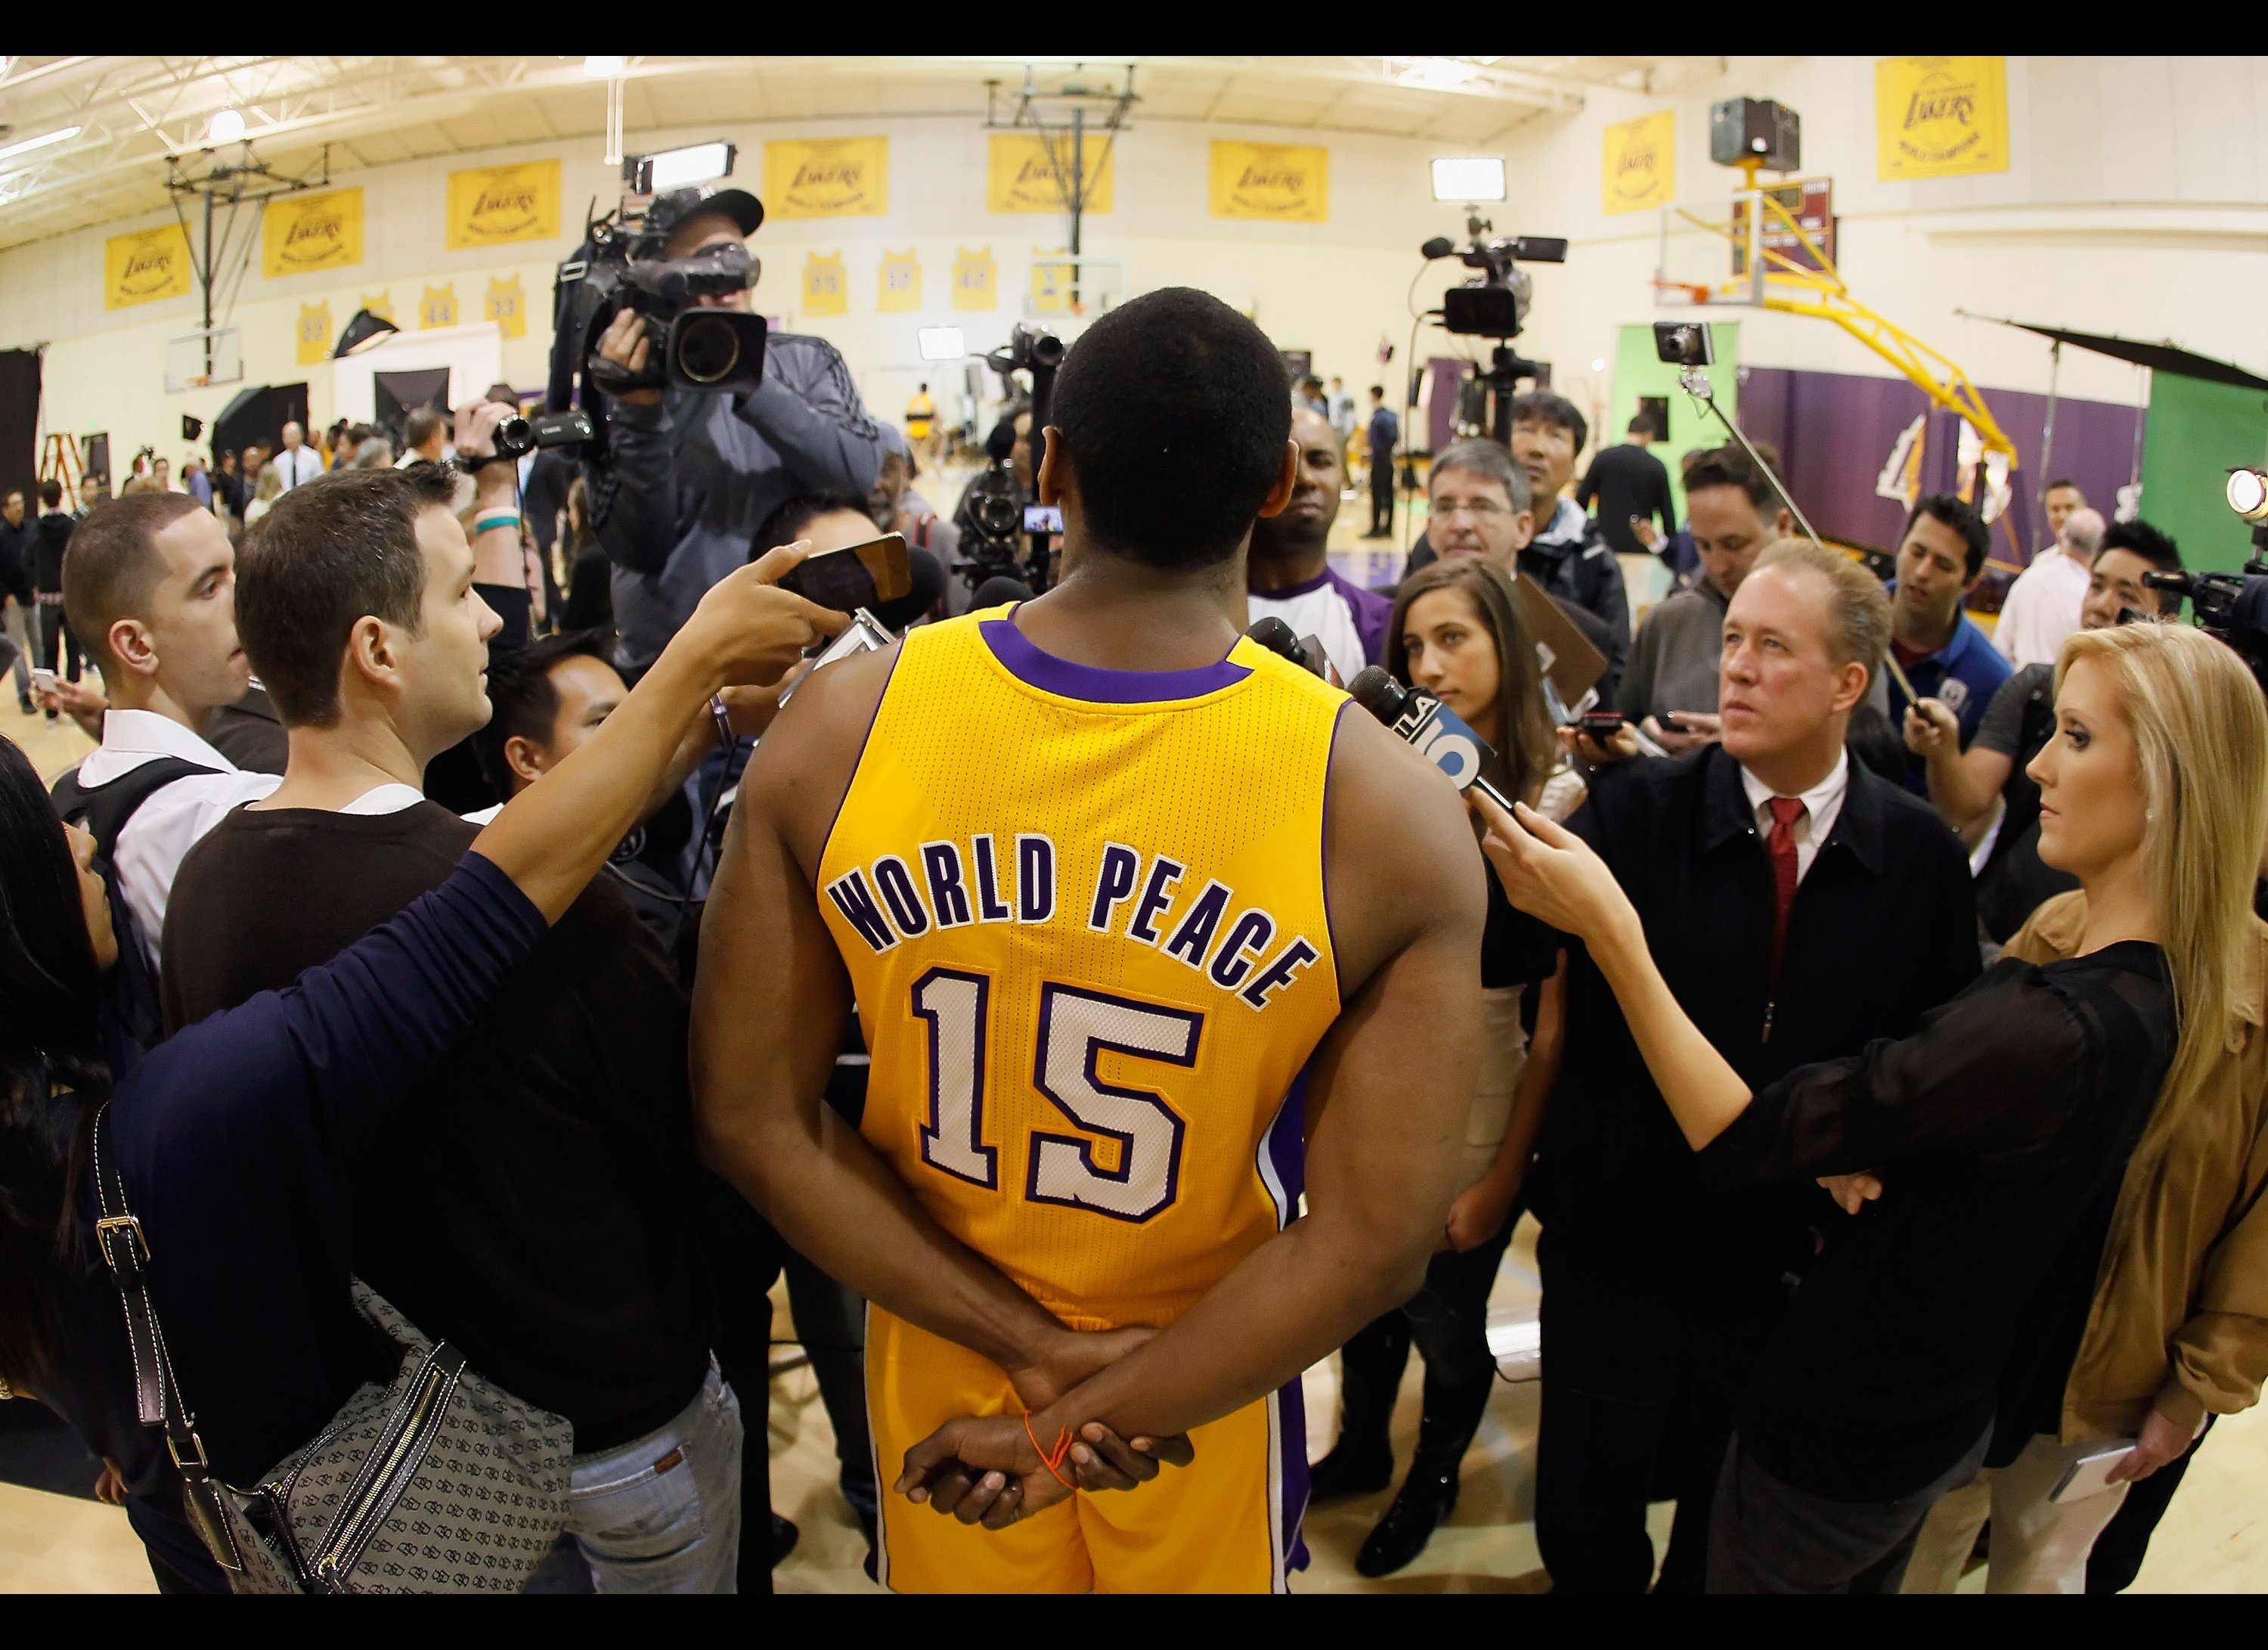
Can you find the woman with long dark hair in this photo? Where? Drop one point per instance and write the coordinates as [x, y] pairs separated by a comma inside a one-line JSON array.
[[1996, 1129], [238, 1140], [1456, 633]]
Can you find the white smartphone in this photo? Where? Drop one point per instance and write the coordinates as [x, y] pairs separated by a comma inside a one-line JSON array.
[[42, 681], [2090, 1473]]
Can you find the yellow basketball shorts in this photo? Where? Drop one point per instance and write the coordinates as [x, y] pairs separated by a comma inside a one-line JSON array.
[[1228, 1522]]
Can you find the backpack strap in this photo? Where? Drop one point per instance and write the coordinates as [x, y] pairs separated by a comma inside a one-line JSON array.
[[157, 1393], [104, 809]]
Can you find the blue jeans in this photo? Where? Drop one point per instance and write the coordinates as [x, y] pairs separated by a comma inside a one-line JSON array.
[[660, 1514]]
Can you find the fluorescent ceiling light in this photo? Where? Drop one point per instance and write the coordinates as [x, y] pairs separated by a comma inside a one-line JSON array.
[[62, 135], [226, 127], [1469, 178], [1439, 72], [943, 343], [603, 68]]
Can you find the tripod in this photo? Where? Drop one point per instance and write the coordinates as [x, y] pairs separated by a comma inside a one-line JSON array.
[[1501, 384]]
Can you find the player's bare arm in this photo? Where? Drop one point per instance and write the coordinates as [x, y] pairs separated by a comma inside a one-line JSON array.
[[1389, 1089], [770, 1004]]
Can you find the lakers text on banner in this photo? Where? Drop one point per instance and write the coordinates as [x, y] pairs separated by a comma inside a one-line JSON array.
[[145, 266], [1940, 117], [315, 334], [1280, 183], [975, 280], [1640, 164], [827, 177], [506, 306], [1020, 176], [300, 232], [490, 206], [825, 288], [898, 286]]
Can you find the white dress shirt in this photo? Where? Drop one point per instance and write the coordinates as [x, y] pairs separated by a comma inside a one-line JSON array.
[[1821, 804], [164, 829], [2040, 610], [297, 464]]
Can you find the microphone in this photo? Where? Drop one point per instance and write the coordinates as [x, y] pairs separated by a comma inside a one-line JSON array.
[[999, 591], [1305, 651], [928, 584], [1438, 734], [1439, 247]]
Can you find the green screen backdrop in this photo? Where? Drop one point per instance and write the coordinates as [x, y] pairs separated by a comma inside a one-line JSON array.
[[2196, 432]]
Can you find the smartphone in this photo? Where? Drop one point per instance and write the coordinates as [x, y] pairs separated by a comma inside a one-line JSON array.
[[2089, 1474], [1044, 518], [1672, 722], [42, 681], [855, 576], [1600, 726]]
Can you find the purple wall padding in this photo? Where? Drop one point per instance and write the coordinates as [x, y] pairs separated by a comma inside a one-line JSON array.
[[1834, 430]]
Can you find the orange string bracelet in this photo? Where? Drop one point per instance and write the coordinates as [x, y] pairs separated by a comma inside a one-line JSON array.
[[1050, 1462]]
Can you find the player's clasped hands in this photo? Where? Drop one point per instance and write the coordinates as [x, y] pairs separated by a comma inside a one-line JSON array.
[[990, 1470]]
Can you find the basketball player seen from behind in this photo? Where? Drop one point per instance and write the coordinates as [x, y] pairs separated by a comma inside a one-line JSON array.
[[1116, 962]]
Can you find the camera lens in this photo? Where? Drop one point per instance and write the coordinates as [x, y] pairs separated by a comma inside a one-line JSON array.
[[514, 436], [707, 348]]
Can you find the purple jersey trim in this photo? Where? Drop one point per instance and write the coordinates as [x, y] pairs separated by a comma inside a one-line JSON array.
[[1022, 658], [1301, 589], [1285, 1149]]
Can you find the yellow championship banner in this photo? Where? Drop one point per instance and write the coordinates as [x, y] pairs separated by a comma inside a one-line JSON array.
[[506, 306], [975, 280], [1940, 117], [300, 232], [827, 177], [1639, 168], [490, 206], [315, 334], [825, 288], [1280, 183], [145, 266], [1020, 177], [438, 307], [898, 287]]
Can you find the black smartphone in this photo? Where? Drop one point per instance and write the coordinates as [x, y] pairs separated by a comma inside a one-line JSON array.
[[855, 576], [1673, 723], [1600, 726]]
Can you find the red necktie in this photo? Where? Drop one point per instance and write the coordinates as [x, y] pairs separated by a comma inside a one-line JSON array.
[[1780, 845]]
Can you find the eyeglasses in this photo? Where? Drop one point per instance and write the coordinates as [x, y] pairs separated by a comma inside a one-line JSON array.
[[1478, 509]]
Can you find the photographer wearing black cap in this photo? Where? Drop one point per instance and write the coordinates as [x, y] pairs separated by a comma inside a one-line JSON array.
[[685, 478]]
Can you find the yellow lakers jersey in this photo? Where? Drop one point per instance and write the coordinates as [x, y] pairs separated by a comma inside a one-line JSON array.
[[1083, 912]]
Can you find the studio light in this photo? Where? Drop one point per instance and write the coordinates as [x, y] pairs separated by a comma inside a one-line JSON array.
[[603, 68], [62, 135], [943, 343], [364, 332], [1473, 178], [674, 168], [2248, 493], [227, 127]]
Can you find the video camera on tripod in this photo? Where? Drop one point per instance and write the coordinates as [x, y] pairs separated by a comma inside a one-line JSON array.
[[994, 516], [1494, 303], [2232, 607]]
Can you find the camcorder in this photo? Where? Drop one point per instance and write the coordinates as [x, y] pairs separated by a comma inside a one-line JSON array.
[[1494, 303], [994, 515], [516, 435], [2230, 607]]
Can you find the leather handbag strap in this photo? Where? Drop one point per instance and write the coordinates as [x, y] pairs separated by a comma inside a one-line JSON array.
[[157, 1393]]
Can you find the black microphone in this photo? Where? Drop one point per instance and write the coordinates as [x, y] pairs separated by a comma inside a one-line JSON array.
[[1439, 247], [1438, 734], [999, 591], [1305, 651], [928, 584]]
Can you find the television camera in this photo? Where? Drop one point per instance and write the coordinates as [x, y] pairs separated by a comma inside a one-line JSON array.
[[1494, 303], [993, 518], [2232, 607]]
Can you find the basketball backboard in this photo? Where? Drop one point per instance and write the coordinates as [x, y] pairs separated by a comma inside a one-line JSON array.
[[198, 360], [1063, 287], [1708, 253]]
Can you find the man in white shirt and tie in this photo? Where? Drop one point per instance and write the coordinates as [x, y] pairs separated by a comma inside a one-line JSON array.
[[297, 461]]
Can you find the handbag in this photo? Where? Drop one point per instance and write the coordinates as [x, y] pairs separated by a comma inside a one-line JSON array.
[[436, 1482]]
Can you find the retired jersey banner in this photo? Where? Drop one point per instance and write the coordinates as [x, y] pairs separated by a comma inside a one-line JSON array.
[[1940, 117], [145, 266], [1020, 176], [898, 287], [827, 177], [438, 307], [315, 334], [1640, 164], [975, 280], [300, 232], [1282, 183], [490, 206], [825, 288], [381, 307], [506, 306]]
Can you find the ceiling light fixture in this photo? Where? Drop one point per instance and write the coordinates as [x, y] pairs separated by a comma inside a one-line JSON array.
[[604, 68], [1439, 72], [227, 127], [1472, 177], [62, 135]]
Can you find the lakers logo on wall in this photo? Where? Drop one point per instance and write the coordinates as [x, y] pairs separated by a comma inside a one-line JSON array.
[[145, 266], [898, 285], [827, 177], [1639, 168], [1939, 117], [1020, 174], [438, 307], [300, 232], [490, 206], [506, 306], [315, 333], [1282, 183], [825, 289], [975, 280]]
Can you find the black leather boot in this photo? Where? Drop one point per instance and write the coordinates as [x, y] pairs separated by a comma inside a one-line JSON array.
[[1453, 1415], [1370, 1374]]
